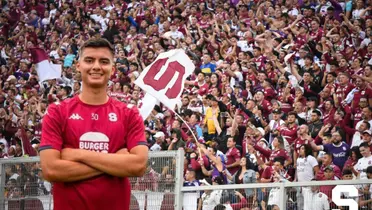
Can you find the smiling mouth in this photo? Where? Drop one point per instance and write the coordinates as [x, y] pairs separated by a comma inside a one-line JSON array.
[[95, 74]]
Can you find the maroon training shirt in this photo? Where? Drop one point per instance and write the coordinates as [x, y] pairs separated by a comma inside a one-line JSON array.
[[102, 128]]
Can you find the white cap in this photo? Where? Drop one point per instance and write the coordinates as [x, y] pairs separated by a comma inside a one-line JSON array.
[[262, 131], [11, 77], [159, 134]]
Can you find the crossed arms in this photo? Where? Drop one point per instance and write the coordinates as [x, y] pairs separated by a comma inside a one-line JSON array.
[[70, 165]]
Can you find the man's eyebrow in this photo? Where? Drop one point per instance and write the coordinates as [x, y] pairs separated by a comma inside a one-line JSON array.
[[89, 57]]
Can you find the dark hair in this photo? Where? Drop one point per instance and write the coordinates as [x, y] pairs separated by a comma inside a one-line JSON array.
[[329, 154], [347, 172], [364, 144], [308, 150], [279, 159], [367, 124], [292, 113], [67, 89], [356, 151], [219, 207], [197, 116], [97, 43], [317, 112], [128, 85]]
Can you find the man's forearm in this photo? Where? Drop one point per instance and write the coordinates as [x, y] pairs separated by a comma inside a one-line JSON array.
[[69, 171], [120, 165]]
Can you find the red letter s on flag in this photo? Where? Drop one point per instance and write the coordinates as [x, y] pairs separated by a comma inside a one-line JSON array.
[[167, 76]]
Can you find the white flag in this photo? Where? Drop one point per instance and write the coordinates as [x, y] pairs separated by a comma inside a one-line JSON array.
[[45, 69], [164, 80]]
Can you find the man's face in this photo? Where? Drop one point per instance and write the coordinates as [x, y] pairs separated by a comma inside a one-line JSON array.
[[303, 130], [366, 137], [364, 151], [256, 52], [96, 66], [314, 117], [336, 138], [277, 166], [314, 26], [276, 116], [230, 143], [291, 118], [200, 77], [298, 107], [307, 77], [328, 105], [369, 175], [366, 114], [347, 177], [362, 127], [367, 71], [189, 175], [359, 83], [193, 119], [185, 101], [329, 174], [343, 79], [259, 96], [327, 160], [206, 59], [343, 63]]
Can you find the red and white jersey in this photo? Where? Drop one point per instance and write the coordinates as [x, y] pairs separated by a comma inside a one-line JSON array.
[[361, 93], [279, 153], [357, 116], [120, 96], [103, 128], [298, 143], [204, 24], [260, 62], [290, 134], [266, 105], [317, 34], [232, 155], [342, 91]]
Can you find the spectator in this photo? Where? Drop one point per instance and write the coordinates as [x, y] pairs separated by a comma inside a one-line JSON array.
[[317, 199], [364, 162]]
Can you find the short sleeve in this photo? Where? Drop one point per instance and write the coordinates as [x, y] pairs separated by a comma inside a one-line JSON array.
[[135, 129], [357, 166], [286, 155], [313, 162], [237, 154], [326, 147], [51, 134], [349, 6]]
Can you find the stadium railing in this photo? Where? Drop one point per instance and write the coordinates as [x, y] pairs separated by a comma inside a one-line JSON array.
[[23, 188], [161, 188]]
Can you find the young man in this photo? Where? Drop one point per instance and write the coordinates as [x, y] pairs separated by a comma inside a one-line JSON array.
[[364, 162], [89, 140]]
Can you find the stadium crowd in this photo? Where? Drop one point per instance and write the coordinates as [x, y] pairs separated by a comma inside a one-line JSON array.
[[281, 90]]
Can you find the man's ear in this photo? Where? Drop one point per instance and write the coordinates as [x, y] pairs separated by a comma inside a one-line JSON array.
[[78, 66], [113, 71]]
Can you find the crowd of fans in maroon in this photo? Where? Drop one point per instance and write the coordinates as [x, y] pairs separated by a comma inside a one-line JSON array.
[[276, 82]]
